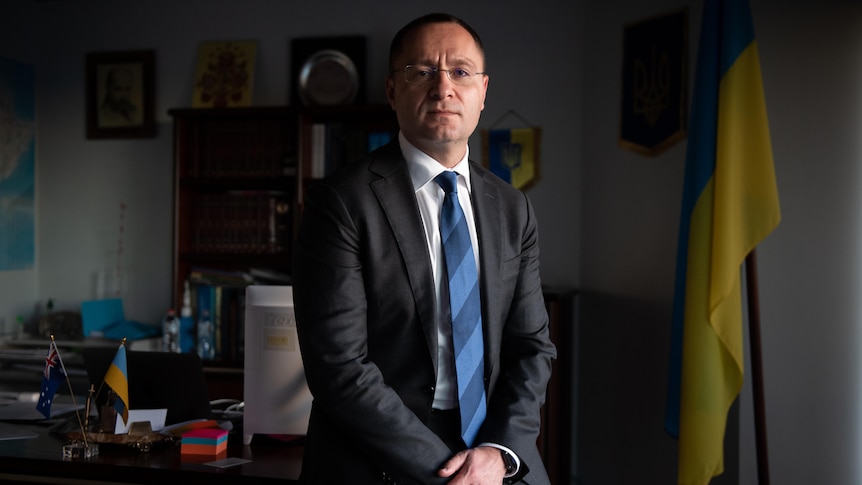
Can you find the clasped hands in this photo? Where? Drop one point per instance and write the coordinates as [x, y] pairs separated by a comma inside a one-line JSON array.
[[482, 465]]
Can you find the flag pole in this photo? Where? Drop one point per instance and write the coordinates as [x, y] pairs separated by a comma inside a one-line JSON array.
[[71, 391], [757, 368]]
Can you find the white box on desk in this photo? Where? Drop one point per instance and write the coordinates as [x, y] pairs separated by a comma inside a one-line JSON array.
[[277, 399]]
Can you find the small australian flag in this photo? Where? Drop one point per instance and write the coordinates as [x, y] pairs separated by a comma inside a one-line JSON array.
[[52, 378]]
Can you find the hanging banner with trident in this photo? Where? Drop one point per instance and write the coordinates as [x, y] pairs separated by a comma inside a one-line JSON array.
[[653, 101], [513, 154]]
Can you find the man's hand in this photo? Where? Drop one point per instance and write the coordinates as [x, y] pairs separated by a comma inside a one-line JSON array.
[[476, 466]]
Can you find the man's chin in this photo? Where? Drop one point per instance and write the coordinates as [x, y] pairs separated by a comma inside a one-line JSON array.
[[443, 134]]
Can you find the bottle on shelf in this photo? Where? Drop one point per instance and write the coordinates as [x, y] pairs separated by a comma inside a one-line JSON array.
[[206, 345], [171, 332], [187, 323]]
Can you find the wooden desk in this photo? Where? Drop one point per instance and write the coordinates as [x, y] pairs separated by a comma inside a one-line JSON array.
[[40, 460]]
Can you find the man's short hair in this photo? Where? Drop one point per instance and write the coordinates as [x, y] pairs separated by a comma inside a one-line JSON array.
[[397, 46]]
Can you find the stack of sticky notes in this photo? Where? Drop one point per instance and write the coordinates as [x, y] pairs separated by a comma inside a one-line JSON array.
[[204, 441]]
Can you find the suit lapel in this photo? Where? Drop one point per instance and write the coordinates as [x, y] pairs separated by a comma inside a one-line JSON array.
[[394, 192], [486, 212]]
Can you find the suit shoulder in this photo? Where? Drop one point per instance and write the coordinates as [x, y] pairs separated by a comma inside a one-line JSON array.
[[379, 163], [353, 180], [495, 183]]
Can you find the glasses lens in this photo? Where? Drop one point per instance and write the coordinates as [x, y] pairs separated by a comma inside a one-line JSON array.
[[419, 74], [424, 74]]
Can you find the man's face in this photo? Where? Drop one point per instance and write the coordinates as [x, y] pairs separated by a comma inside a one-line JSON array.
[[438, 112], [120, 85]]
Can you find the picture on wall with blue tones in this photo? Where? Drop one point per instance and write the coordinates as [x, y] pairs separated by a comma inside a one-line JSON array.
[[17, 165]]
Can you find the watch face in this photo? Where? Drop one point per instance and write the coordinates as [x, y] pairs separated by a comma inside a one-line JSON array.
[[328, 78]]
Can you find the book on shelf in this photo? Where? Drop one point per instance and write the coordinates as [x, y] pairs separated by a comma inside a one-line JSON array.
[[219, 277], [377, 139], [226, 306], [335, 143], [251, 222], [263, 276], [244, 149]]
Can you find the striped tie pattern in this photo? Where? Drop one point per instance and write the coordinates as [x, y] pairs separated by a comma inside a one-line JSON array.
[[465, 309]]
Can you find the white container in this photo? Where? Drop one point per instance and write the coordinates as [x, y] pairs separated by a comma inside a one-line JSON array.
[[277, 399]]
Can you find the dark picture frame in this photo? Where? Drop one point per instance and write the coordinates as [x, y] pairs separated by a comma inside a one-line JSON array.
[[120, 94]]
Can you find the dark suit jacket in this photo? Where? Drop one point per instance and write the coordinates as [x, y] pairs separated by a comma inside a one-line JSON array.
[[364, 297]]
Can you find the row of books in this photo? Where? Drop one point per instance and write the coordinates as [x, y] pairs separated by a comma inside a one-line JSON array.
[[335, 143], [246, 149], [254, 222], [226, 306], [222, 293], [252, 276]]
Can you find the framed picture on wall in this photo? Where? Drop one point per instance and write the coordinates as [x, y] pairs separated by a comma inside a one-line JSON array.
[[224, 74], [120, 94]]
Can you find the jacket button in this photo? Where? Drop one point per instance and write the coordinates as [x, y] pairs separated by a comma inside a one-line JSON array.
[[428, 390]]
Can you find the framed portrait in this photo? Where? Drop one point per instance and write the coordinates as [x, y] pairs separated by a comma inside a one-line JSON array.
[[120, 94]]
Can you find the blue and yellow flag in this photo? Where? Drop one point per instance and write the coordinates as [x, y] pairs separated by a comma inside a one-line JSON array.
[[730, 204], [117, 378], [513, 155]]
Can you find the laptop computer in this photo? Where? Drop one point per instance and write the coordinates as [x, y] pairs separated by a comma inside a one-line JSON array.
[[157, 380]]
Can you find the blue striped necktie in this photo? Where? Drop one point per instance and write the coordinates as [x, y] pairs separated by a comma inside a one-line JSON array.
[[465, 309]]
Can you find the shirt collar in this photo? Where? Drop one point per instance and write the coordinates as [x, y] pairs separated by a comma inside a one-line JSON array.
[[423, 168]]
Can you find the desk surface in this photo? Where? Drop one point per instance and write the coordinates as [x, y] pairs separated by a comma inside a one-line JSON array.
[[272, 461]]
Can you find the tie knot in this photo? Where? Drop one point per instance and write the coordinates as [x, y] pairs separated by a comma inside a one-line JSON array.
[[448, 181]]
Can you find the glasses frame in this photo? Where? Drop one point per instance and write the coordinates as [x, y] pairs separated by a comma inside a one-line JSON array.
[[436, 70]]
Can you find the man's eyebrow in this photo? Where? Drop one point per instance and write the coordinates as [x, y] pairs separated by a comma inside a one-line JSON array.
[[456, 62]]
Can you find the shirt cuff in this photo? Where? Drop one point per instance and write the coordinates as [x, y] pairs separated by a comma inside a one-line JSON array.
[[507, 450]]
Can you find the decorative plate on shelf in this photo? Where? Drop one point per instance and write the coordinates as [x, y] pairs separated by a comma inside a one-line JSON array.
[[328, 78]]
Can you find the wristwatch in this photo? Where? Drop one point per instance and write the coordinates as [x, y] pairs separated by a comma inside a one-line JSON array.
[[509, 461]]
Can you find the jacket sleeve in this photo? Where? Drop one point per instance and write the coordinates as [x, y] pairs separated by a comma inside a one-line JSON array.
[[522, 367]]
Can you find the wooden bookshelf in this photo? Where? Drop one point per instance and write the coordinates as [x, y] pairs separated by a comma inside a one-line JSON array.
[[239, 178]]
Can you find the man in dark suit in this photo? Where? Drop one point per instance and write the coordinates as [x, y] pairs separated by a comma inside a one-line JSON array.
[[372, 298]]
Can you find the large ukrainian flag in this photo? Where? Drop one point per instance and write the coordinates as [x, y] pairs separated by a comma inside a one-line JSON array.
[[730, 203]]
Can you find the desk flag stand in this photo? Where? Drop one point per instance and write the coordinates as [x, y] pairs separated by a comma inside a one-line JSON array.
[[82, 449], [140, 435]]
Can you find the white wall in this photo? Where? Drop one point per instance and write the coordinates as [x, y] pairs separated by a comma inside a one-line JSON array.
[[83, 182], [809, 268]]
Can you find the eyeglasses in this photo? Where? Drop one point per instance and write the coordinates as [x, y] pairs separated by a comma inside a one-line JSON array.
[[419, 74]]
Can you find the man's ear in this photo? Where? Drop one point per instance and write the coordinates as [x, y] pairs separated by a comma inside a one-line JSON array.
[[485, 90]]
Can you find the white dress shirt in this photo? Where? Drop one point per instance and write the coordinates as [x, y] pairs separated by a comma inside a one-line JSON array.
[[430, 195]]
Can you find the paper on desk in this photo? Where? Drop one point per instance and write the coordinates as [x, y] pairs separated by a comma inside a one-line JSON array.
[[156, 417], [227, 462]]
